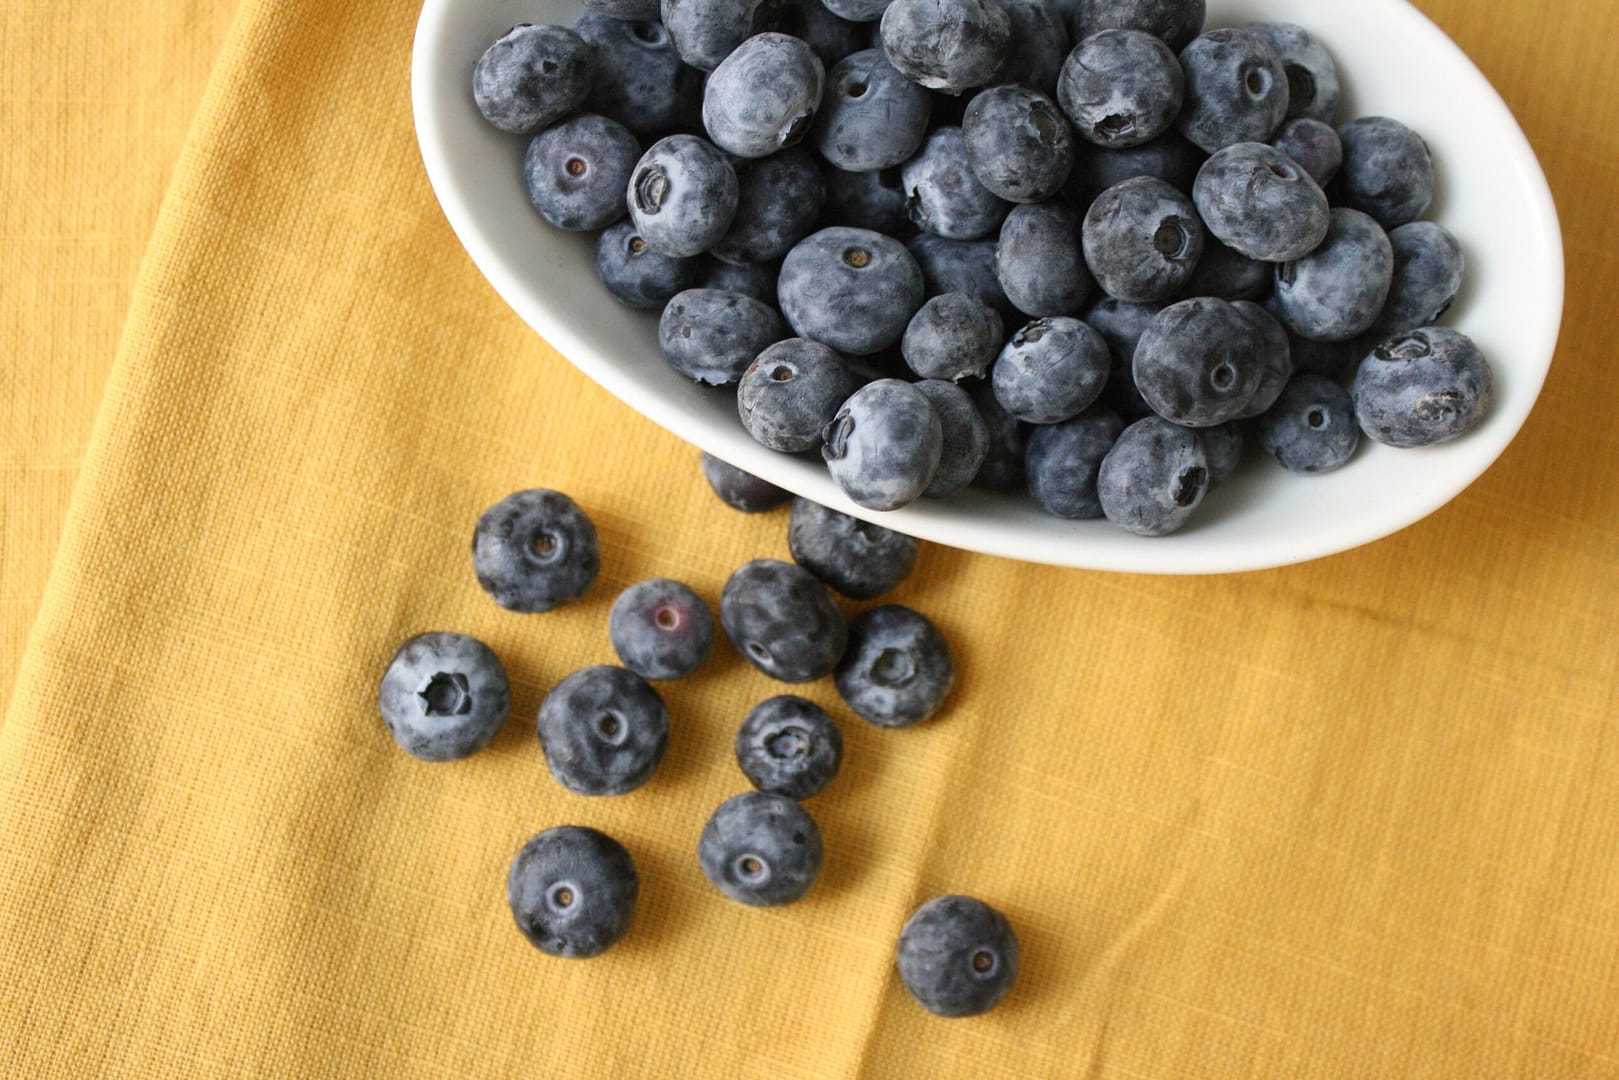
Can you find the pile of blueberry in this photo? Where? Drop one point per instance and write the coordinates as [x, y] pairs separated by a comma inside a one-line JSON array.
[[929, 241], [604, 729]]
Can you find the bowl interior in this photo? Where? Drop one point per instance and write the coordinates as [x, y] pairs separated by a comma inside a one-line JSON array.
[[1492, 195]]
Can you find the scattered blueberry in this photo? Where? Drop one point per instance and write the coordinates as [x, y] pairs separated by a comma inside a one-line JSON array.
[[532, 77], [1314, 145], [884, 445], [897, 670], [1018, 144], [852, 289], [1222, 448], [782, 620], [443, 696], [943, 196], [660, 629], [1176, 21], [712, 336], [1063, 461], [572, 891], [873, 200], [948, 45], [1422, 388], [953, 336], [779, 201], [1337, 291], [1197, 362], [763, 96], [640, 79], [791, 392], [534, 550], [1387, 171], [1002, 468], [1142, 240], [682, 195], [760, 849], [576, 171], [635, 274], [1121, 88], [741, 490], [604, 731], [857, 558], [1312, 77], [1260, 202], [1040, 261], [1050, 370], [1428, 271], [959, 266], [1153, 478], [966, 436], [872, 117], [705, 32], [788, 746], [1236, 90], [958, 956], [1311, 428]]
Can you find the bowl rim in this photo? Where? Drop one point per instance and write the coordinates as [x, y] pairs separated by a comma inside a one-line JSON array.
[[927, 519]]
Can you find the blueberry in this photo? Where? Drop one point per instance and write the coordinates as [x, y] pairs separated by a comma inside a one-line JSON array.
[[960, 266], [576, 171], [1002, 468], [1018, 144], [660, 629], [640, 80], [1197, 363], [572, 891], [604, 731], [953, 336], [829, 36], [635, 274], [443, 696], [1222, 448], [872, 116], [1428, 270], [1314, 145], [860, 11], [763, 96], [757, 280], [1063, 460], [1121, 88], [1040, 262], [1422, 388], [534, 550], [884, 445], [873, 200], [855, 557], [1236, 90], [791, 392], [1036, 46], [788, 746], [897, 670], [778, 202], [1387, 171], [1142, 240], [1153, 478], [1175, 21], [1260, 202], [712, 336], [623, 10], [943, 196], [741, 490], [949, 45], [852, 289], [1337, 291], [1276, 353], [705, 32], [1169, 157], [1311, 428], [958, 956], [682, 195], [782, 620], [1334, 359], [966, 436], [1229, 275], [1121, 325], [532, 77], [760, 849], [1312, 77], [1050, 370]]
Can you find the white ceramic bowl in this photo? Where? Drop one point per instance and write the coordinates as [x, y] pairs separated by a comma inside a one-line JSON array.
[[1393, 61]]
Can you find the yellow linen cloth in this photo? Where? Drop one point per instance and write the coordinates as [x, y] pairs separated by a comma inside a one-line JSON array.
[[1355, 818]]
